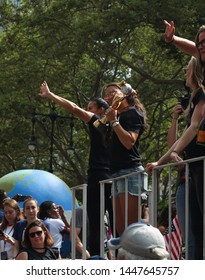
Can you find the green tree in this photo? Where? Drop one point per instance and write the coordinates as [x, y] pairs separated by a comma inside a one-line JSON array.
[[77, 47]]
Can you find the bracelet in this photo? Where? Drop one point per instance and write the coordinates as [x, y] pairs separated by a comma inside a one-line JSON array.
[[115, 123]]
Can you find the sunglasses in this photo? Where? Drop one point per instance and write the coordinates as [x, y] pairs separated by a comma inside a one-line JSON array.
[[200, 44], [35, 233]]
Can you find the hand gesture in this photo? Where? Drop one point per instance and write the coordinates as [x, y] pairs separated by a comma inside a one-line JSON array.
[[169, 31], [60, 210], [111, 114], [177, 110], [45, 92]]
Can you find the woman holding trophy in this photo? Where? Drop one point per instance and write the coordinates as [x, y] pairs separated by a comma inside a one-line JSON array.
[[127, 118]]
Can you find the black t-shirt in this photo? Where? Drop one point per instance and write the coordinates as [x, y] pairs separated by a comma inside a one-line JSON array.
[[99, 157], [122, 158], [49, 254], [194, 150]]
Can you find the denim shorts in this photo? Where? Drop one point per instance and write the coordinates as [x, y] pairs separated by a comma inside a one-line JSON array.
[[134, 181]]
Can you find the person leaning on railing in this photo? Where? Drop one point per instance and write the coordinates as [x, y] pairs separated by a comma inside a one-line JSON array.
[[188, 143]]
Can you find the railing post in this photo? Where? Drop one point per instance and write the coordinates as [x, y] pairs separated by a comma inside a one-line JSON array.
[[82, 187]]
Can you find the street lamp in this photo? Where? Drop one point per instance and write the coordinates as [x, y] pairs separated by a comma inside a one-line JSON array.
[[52, 116], [32, 139]]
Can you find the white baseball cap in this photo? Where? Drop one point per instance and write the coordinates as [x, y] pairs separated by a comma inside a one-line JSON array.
[[142, 240]]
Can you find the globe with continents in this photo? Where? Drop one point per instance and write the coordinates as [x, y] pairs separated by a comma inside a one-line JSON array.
[[42, 186], [39, 184]]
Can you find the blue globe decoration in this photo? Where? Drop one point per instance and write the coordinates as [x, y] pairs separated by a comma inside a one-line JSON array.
[[41, 185]]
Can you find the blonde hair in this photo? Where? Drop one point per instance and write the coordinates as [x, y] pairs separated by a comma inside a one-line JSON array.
[[200, 64], [196, 81]]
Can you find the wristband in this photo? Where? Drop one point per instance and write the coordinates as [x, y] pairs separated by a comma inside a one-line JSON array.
[[115, 123]]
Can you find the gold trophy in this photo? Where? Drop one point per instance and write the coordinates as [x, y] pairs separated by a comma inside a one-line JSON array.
[[125, 89], [100, 123]]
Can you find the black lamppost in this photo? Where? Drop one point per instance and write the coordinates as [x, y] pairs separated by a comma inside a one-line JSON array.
[[52, 116]]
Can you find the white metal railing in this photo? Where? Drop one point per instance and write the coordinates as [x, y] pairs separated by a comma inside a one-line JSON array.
[[103, 184], [152, 203], [83, 189]]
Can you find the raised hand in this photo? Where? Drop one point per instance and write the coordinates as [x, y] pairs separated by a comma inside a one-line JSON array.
[[45, 92], [177, 110], [169, 31]]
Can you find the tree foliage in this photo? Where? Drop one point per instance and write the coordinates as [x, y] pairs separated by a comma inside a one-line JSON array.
[[77, 47]]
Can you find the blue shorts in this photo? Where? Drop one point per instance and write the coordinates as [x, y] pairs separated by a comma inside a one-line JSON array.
[[134, 181]]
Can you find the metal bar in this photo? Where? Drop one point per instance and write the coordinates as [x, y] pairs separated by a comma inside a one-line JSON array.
[[102, 212]]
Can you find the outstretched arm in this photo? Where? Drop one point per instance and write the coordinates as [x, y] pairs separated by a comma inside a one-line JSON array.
[[179, 146], [163, 160], [68, 105], [183, 44]]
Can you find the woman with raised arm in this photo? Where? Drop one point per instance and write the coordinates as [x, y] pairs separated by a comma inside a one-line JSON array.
[[99, 160], [196, 48]]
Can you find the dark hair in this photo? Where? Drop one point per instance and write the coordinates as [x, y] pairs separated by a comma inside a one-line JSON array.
[[100, 102], [131, 96], [3, 194], [48, 238], [43, 209]]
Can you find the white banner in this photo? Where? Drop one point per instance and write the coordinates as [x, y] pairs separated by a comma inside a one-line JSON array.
[[102, 269]]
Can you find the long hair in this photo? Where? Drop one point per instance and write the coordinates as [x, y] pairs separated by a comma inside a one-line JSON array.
[[200, 63], [44, 208], [48, 242], [14, 205], [196, 82], [134, 99], [131, 96]]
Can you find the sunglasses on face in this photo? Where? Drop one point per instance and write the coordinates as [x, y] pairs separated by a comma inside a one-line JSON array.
[[35, 233], [200, 44]]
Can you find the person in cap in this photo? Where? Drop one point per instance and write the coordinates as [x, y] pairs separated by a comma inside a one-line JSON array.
[[140, 241]]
